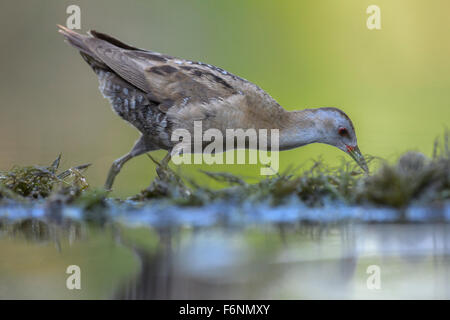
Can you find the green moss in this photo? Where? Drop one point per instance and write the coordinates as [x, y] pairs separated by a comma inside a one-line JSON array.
[[413, 178], [167, 184], [93, 203], [37, 182]]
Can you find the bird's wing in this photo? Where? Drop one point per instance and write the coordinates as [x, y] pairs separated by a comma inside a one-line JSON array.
[[172, 82], [116, 58]]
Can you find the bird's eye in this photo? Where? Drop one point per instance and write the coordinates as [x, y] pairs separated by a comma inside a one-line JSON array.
[[343, 132]]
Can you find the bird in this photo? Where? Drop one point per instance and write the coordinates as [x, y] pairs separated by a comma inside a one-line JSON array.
[[158, 93]]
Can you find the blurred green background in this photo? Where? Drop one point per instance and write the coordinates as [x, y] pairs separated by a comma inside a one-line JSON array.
[[394, 82]]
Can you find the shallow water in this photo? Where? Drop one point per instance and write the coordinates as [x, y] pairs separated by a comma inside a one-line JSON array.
[[320, 263], [164, 214], [223, 250]]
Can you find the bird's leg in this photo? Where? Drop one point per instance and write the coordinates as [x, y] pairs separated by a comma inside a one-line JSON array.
[[165, 161], [115, 169], [163, 165], [141, 146]]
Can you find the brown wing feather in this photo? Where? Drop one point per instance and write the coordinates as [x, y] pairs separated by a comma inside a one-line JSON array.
[[112, 40], [184, 90], [170, 81], [122, 64], [183, 87], [180, 83]]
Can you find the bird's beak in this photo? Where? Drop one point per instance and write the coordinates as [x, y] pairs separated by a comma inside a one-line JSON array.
[[356, 154]]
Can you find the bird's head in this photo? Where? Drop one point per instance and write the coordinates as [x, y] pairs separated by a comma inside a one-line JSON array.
[[335, 128]]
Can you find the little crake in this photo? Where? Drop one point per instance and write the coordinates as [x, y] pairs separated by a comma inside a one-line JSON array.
[[158, 94]]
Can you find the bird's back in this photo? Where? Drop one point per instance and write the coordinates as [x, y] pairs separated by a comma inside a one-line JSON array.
[[158, 93]]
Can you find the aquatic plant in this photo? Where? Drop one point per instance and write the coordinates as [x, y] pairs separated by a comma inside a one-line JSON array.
[[37, 182], [414, 178]]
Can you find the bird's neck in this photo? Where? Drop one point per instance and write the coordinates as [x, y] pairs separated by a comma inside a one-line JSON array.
[[299, 128]]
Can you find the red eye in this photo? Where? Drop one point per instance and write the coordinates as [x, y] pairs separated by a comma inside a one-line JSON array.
[[343, 131]]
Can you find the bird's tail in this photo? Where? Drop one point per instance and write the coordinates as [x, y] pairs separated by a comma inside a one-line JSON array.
[[79, 42], [75, 39]]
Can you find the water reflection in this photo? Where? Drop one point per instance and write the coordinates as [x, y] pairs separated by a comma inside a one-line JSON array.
[[293, 252], [212, 264]]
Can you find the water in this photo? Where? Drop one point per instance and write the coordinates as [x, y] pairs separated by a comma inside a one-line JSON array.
[[223, 250], [164, 214], [326, 263]]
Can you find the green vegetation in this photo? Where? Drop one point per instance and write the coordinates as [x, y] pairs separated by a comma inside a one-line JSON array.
[[414, 178], [37, 182]]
